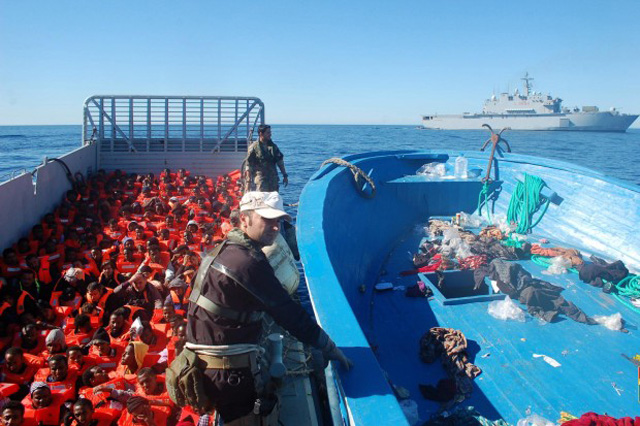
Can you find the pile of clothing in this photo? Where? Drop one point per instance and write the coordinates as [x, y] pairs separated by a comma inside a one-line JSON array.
[[451, 347]]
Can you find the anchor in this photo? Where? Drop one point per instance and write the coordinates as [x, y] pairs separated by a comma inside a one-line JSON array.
[[495, 139]]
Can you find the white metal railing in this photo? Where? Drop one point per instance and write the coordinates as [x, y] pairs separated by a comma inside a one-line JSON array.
[[171, 123]]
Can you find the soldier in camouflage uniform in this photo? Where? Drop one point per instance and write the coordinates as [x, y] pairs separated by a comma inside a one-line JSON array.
[[260, 164]]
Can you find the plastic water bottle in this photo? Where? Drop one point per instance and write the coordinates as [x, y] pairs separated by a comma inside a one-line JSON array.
[[462, 166]]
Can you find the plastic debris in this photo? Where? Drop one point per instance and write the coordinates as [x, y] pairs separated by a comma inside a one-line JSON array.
[[506, 310], [451, 242], [432, 170], [612, 322], [401, 392], [384, 286], [559, 265], [552, 362], [410, 410], [535, 420], [471, 220]]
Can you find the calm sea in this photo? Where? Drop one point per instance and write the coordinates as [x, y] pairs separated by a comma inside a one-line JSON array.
[[306, 146]]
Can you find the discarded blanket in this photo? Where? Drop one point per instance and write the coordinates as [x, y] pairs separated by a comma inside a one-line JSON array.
[[542, 298], [594, 273], [593, 419], [451, 346]]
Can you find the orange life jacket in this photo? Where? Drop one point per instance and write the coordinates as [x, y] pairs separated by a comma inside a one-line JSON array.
[[158, 415], [66, 387], [89, 393], [55, 300], [20, 302], [48, 416], [33, 364], [8, 389]]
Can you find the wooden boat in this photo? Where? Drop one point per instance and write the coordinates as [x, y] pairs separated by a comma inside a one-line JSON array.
[[349, 243]]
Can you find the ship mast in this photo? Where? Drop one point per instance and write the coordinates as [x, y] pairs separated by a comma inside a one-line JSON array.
[[527, 86]]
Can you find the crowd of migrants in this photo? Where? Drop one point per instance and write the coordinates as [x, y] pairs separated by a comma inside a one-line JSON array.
[[94, 299]]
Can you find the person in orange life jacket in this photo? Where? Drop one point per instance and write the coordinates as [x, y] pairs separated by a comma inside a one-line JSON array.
[[78, 361], [55, 343], [102, 298], [137, 292], [72, 286], [9, 324], [23, 248], [167, 242], [178, 296], [27, 294], [188, 265], [71, 259], [82, 414], [60, 379], [41, 268], [117, 327], [10, 266], [132, 358], [54, 253], [50, 406], [19, 369], [51, 318], [157, 260], [140, 412], [150, 387], [30, 340], [12, 413], [109, 277], [106, 355], [127, 263], [82, 332], [95, 260], [155, 341], [71, 239]]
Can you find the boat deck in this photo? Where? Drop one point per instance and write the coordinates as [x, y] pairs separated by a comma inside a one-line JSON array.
[[593, 376]]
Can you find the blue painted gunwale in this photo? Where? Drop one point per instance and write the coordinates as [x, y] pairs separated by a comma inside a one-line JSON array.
[[346, 241]]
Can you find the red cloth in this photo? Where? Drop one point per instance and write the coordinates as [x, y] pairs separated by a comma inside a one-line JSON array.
[[593, 419]]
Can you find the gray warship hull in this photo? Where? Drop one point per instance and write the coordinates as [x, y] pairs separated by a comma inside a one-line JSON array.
[[581, 121]]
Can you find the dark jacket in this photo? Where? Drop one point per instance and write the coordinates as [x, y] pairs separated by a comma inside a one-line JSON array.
[[266, 294]]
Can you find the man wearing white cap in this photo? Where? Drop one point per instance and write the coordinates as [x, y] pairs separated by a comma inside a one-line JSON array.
[[234, 285]]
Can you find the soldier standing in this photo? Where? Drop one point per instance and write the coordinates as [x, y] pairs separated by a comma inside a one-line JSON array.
[[260, 164]]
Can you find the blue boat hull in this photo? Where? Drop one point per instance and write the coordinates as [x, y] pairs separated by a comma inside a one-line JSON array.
[[349, 243]]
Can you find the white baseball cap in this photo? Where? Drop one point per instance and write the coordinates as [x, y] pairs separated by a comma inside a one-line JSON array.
[[267, 204]]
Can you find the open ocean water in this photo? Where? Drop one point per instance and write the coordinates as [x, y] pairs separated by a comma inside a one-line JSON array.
[[306, 146]]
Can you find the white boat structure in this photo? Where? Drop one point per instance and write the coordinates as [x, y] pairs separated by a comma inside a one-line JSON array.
[[532, 111]]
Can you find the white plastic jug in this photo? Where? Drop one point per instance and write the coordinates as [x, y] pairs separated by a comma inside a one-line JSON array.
[[461, 167]]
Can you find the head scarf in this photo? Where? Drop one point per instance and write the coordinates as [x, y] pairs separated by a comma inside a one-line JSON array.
[[37, 385], [139, 350], [55, 336]]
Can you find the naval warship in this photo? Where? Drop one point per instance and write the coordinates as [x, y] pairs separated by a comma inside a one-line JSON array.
[[533, 111]]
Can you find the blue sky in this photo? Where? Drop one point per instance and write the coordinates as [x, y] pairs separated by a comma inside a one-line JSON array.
[[325, 62]]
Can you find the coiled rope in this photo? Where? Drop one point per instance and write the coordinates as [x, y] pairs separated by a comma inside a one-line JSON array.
[[525, 202], [358, 174]]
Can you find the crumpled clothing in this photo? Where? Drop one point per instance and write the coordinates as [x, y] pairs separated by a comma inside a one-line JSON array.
[[594, 273], [542, 298], [451, 346], [572, 254], [493, 249], [492, 232], [473, 262], [434, 265], [420, 289], [593, 419]]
